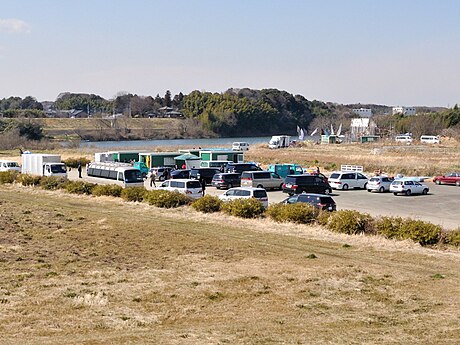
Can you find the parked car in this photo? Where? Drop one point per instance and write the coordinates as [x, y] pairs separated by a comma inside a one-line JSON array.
[[240, 146], [191, 188], [347, 179], [379, 184], [240, 167], [408, 187], [162, 173], [451, 178], [320, 201], [305, 183], [261, 179], [6, 165], [205, 174], [246, 193], [407, 139], [214, 164], [180, 174], [226, 180]]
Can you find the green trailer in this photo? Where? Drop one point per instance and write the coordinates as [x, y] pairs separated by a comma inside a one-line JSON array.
[[159, 159], [125, 156], [222, 155]]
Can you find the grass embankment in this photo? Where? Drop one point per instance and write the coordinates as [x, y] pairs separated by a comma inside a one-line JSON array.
[[98, 270]]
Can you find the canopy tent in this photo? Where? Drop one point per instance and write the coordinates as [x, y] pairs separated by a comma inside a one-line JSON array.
[[186, 157]]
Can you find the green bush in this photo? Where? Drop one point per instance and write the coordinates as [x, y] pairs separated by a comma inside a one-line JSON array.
[[28, 180], [166, 199], [133, 194], [323, 217], [53, 182], [107, 189], [419, 231], [207, 204], [80, 187], [389, 227], [244, 208], [453, 237], [297, 213], [8, 177], [73, 162], [350, 222]]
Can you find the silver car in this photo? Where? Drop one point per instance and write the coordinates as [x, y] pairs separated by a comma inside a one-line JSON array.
[[379, 184]]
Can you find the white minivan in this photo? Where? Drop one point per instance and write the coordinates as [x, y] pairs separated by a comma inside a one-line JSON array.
[[240, 146], [261, 179], [246, 193], [404, 139], [429, 139], [347, 179], [191, 188], [9, 166]]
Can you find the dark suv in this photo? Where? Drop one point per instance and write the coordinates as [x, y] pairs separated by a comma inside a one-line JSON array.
[[182, 173], [205, 174], [320, 201], [297, 184], [240, 167], [226, 180]]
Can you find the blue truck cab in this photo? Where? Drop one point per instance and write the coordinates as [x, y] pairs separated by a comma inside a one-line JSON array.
[[285, 169]]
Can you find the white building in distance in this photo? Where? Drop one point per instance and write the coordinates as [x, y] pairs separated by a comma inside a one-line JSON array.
[[406, 111], [363, 112]]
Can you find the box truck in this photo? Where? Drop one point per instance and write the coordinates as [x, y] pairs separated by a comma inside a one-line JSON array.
[[43, 165], [279, 141]]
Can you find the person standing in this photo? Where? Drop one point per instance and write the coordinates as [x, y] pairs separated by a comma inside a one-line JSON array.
[[152, 179], [79, 170], [203, 186]]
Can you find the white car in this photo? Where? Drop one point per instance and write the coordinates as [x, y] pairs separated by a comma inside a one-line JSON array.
[[347, 179], [379, 184], [408, 187], [9, 166], [191, 188], [240, 146], [246, 193]]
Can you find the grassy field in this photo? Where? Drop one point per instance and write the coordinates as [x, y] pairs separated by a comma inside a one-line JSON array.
[[82, 270]]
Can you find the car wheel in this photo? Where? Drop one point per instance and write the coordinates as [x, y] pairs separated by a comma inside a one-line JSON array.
[[438, 182], [281, 186], [457, 183], [369, 190], [327, 191], [365, 186], [408, 192], [230, 186], [425, 191], [394, 193], [260, 186], [345, 187], [381, 189]]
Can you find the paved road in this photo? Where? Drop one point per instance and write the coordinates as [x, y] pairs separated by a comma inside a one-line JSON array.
[[441, 206]]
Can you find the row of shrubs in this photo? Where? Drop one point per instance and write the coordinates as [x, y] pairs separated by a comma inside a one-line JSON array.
[[343, 221]]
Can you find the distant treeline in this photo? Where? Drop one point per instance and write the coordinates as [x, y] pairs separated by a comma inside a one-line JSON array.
[[238, 112]]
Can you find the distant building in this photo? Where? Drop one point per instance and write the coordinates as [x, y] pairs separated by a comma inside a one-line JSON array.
[[406, 111], [363, 112], [362, 127]]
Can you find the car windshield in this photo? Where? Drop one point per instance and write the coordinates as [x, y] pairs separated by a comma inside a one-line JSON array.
[[58, 168], [193, 184], [133, 175], [335, 175], [12, 164], [374, 179]]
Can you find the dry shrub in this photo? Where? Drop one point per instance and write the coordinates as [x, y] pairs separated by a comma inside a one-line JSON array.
[[166, 198], [80, 187], [73, 162], [207, 204], [388, 227], [297, 213], [350, 222], [8, 177], [28, 180], [53, 182], [108, 190], [244, 208], [421, 232], [453, 237], [133, 194]]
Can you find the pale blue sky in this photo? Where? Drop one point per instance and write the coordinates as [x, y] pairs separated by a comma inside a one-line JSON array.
[[404, 52]]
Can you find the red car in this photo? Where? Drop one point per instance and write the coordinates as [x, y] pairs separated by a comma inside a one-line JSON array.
[[452, 178]]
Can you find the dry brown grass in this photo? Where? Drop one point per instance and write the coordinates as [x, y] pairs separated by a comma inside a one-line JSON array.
[[390, 158], [99, 271]]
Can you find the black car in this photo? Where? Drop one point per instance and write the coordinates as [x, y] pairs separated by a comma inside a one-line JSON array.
[[183, 173], [205, 174], [226, 180], [320, 201], [240, 167], [297, 184]]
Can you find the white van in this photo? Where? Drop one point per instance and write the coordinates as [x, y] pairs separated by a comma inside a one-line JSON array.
[[246, 193], [240, 146], [261, 179], [191, 188], [9, 166], [403, 139], [347, 179], [429, 139]]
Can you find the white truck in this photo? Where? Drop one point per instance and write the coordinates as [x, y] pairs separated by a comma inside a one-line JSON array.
[[279, 141], [43, 165]]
